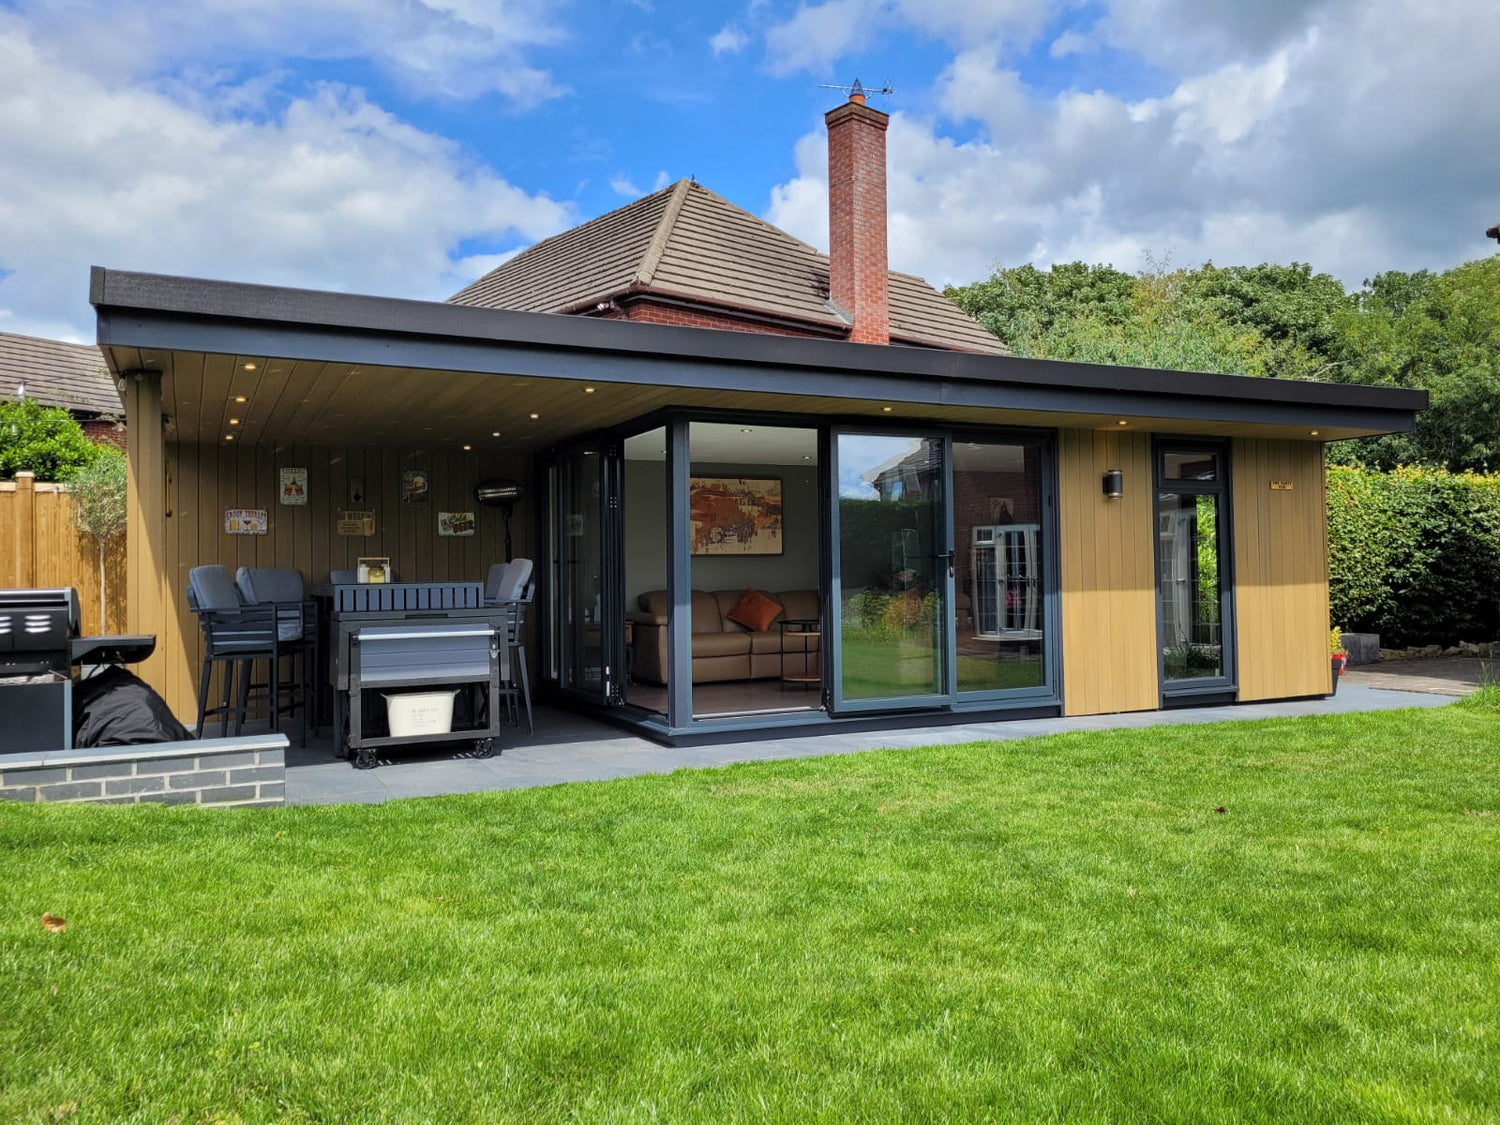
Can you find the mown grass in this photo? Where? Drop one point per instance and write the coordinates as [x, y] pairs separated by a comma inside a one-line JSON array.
[[1060, 929]]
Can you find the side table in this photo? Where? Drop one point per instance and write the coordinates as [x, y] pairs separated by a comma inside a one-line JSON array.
[[805, 628]]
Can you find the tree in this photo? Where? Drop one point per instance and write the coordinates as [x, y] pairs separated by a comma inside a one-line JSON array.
[[1097, 314], [99, 490], [1439, 333], [46, 440]]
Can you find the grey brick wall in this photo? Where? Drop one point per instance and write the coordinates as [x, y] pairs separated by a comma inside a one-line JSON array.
[[221, 772]]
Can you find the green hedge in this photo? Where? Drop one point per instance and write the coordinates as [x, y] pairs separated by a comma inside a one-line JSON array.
[[1414, 554]]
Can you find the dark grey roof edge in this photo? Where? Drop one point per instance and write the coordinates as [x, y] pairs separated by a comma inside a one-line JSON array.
[[124, 290]]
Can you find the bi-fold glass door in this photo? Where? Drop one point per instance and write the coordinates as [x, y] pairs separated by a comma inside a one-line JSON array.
[[585, 600], [942, 577]]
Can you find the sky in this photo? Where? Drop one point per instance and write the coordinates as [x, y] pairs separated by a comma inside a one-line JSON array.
[[404, 147]]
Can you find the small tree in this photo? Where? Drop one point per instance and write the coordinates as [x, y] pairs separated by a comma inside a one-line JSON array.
[[45, 440], [98, 492]]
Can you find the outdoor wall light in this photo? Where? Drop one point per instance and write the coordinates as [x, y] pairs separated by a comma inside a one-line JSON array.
[[1114, 484]]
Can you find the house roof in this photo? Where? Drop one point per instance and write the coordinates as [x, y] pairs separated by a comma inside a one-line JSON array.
[[72, 376], [686, 242]]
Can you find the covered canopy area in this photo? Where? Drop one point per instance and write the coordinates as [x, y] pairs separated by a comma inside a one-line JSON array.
[[228, 384]]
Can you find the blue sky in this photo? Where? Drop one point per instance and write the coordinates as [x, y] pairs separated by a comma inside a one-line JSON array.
[[404, 146]]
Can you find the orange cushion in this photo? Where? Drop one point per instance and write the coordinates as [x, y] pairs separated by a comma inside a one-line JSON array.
[[754, 611]]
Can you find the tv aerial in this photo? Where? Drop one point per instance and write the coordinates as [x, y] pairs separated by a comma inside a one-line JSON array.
[[857, 90]]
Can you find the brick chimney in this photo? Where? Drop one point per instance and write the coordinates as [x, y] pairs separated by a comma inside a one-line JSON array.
[[857, 270]]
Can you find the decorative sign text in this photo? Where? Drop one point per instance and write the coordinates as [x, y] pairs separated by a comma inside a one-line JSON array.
[[456, 523], [356, 523], [245, 521]]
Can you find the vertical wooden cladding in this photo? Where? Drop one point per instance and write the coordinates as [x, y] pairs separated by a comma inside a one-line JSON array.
[[202, 480], [1108, 574], [1280, 568]]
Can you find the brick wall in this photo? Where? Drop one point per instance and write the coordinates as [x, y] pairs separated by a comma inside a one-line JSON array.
[[101, 431], [648, 312], [857, 263], [217, 771]]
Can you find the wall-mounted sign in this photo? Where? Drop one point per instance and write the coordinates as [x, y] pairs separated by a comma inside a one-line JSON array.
[[416, 486], [356, 492], [294, 487], [356, 523], [1281, 486], [245, 521], [456, 523]]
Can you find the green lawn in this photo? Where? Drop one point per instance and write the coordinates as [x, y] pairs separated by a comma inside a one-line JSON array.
[[1062, 929]]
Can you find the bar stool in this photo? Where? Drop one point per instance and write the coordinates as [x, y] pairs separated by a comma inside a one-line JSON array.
[[234, 636], [296, 636], [509, 585]]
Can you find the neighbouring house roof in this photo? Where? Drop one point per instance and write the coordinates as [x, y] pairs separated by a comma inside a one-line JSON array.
[[72, 376], [686, 242]]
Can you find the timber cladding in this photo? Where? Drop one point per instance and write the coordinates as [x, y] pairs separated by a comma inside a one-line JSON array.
[[40, 546], [200, 481], [1108, 574], [1280, 568]]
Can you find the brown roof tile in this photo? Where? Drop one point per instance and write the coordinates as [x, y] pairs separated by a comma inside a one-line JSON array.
[[72, 376], [685, 241]]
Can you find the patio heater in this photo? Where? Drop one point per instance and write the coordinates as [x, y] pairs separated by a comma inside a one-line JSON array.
[[502, 494]]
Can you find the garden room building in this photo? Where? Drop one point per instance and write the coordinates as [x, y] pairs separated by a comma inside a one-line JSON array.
[[735, 531]]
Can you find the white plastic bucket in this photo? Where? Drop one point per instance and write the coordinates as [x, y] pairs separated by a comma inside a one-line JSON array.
[[422, 712]]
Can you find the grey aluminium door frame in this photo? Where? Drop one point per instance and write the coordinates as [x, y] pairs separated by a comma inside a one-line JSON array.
[[947, 643], [1226, 685]]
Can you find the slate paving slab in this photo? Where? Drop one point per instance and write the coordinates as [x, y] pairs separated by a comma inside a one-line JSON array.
[[569, 748]]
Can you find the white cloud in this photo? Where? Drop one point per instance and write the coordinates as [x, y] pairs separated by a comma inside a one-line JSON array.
[[728, 40], [818, 36], [621, 185], [663, 178], [1357, 137], [446, 48], [329, 192]]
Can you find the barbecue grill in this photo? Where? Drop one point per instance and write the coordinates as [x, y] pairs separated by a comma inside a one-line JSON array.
[[39, 648]]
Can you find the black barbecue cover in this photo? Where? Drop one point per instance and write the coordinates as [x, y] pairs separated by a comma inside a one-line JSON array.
[[115, 708]]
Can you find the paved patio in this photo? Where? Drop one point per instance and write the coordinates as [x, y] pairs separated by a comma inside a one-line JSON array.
[[1441, 675], [568, 747]]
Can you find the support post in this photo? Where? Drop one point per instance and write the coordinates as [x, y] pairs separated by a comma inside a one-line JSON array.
[[146, 518]]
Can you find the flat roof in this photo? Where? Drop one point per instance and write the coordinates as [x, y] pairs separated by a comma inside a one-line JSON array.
[[144, 320]]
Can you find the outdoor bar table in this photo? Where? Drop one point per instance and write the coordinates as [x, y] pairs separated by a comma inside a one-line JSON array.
[[345, 608]]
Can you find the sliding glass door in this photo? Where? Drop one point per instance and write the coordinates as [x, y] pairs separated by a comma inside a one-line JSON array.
[[941, 570], [1002, 563], [892, 571]]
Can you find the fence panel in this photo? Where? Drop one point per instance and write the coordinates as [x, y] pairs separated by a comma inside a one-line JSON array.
[[40, 546]]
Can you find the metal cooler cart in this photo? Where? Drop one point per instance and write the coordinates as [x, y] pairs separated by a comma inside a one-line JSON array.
[[453, 654]]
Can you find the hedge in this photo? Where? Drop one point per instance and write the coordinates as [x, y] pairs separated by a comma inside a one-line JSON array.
[[1414, 554]]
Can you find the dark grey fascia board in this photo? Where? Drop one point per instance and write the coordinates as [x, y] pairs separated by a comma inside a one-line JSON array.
[[174, 313]]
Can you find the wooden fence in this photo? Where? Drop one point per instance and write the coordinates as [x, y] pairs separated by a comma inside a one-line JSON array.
[[40, 546]]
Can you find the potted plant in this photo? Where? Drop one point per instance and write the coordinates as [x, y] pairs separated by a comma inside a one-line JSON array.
[[1340, 657]]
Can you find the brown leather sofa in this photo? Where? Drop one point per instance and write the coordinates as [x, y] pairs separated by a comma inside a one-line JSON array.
[[724, 649]]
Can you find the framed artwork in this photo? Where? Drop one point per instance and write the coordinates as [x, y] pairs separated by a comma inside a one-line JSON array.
[[735, 515]]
